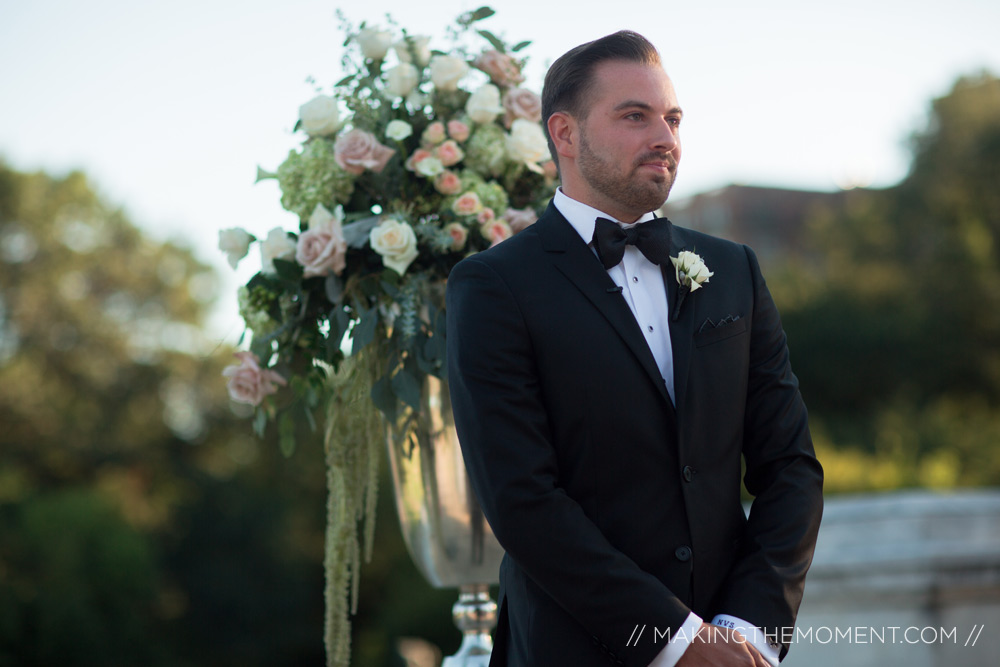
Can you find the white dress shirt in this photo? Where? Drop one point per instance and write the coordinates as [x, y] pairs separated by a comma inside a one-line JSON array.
[[646, 295]]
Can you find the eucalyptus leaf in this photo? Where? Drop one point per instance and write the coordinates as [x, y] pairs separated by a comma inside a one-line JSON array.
[[364, 331], [383, 397], [334, 289], [492, 39], [286, 270], [521, 45], [309, 417], [483, 12], [343, 323], [356, 233], [407, 388], [286, 434], [346, 80], [298, 125], [259, 422]]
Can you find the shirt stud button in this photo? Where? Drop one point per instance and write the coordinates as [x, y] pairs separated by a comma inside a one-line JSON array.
[[635, 279]]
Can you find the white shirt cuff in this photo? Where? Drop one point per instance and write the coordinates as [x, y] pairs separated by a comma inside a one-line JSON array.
[[678, 643], [753, 634]]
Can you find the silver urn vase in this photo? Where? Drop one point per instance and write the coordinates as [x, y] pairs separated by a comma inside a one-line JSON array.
[[443, 526]]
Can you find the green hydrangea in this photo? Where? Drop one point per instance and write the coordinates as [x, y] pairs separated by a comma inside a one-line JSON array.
[[493, 196], [313, 177], [254, 306], [486, 150]]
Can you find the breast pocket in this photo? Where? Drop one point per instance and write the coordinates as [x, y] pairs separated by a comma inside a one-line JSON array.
[[710, 336]]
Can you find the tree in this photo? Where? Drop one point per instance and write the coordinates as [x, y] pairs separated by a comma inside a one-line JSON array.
[[898, 342]]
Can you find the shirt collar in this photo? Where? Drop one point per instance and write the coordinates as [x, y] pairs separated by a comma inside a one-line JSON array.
[[583, 217]]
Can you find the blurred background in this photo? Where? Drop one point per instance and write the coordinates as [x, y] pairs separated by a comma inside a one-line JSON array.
[[856, 147]]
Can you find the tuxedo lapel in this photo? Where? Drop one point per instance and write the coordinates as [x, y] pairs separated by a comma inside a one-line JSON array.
[[577, 262], [682, 328]]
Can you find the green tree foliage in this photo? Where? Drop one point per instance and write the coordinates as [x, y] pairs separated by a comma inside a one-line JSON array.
[[141, 521], [127, 484], [896, 334]]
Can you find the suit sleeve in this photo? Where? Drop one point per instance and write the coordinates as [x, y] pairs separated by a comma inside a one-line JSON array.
[[506, 441], [782, 473]]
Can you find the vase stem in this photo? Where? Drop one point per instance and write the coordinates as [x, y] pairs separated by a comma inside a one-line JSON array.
[[475, 614]]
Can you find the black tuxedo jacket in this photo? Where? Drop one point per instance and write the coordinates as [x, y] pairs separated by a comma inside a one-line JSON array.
[[618, 510]]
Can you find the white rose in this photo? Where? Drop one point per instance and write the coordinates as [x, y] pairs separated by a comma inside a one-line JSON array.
[[402, 80], [396, 242], [484, 104], [421, 46], [235, 243], [690, 269], [447, 71], [276, 245], [429, 167], [397, 130], [417, 99], [320, 116], [374, 43], [526, 143]]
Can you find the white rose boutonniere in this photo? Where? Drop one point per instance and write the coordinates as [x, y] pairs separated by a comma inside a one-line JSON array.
[[690, 269], [691, 272], [396, 242]]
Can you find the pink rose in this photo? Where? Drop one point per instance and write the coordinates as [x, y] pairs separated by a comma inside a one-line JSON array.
[[358, 150], [467, 204], [449, 153], [418, 155], [503, 69], [458, 130], [321, 251], [496, 231], [521, 103], [448, 183], [248, 382], [458, 234], [434, 134], [519, 219], [486, 215]]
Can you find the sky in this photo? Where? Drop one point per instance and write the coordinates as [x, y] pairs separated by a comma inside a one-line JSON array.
[[170, 107]]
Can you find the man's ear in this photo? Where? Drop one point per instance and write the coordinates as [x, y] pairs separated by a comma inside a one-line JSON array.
[[564, 131]]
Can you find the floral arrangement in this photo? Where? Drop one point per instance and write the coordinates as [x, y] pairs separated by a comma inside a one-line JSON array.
[[416, 158]]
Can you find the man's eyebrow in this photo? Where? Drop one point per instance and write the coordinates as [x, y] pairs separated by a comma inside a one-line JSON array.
[[637, 104]]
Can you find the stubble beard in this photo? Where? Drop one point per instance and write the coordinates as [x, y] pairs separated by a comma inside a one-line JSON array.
[[632, 192]]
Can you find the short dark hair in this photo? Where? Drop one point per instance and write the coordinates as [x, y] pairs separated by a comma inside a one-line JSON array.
[[571, 76]]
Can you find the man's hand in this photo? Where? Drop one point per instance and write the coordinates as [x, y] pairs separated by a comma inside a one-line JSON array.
[[714, 646]]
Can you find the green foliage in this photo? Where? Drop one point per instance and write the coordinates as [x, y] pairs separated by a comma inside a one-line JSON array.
[[79, 584], [141, 522], [895, 333]]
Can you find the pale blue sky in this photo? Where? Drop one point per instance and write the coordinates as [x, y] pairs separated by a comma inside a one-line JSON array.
[[170, 106]]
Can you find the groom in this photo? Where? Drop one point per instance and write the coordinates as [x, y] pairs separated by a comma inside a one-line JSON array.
[[604, 402]]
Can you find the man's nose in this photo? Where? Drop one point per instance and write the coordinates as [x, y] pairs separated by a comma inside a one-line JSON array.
[[665, 138]]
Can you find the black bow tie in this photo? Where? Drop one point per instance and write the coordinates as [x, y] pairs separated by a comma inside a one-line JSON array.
[[651, 238]]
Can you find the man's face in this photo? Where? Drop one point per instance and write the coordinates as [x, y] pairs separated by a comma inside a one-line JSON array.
[[629, 142]]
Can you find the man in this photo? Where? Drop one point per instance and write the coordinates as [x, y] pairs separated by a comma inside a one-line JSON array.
[[604, 400]]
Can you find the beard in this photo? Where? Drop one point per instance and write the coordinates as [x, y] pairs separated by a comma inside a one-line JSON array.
[[633, 193]]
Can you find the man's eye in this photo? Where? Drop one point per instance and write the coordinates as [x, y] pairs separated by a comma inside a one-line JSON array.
[[674, 122], [634, 116]]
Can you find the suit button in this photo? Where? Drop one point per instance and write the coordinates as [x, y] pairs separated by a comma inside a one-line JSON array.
[[688, 473], [683, 554]]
